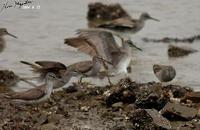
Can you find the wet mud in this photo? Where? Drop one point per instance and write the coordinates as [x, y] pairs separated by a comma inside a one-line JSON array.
[[126, 105]]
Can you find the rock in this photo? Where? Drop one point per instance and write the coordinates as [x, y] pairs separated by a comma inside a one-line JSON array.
[[122, 92], [130, 107], [192, 96], [64, 124], [63, 109], [176, 51], [71, 89], [158, 119], [189, 126], [151, 95], [53, 109], [117, 105], [190, 39], [8, 78], [99, 13], [85, 108], [103, 12], [39, 118], [83, 127], [95, 91], [49, 126], [149, 119], [119, 127], [176, 111], [198, 114], [177, 90], [55, 118]]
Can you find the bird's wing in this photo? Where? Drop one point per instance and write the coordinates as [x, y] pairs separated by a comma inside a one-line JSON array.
[[31, 94], [83, 66], [103, 41], [44, 67], [120, 22], [82, 45], [51, 65]]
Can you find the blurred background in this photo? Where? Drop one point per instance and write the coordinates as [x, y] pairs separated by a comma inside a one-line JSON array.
[[41, 34]]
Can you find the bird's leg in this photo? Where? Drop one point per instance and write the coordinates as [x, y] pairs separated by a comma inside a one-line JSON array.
[[103, 60], [80, 80], [129, 69], [108, 77], [111, 84]]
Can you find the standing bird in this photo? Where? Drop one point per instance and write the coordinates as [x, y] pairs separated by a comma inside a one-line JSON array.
[[3, 32], [164, 73], [90, 68], [37, 94], [102, 44], [121, 58], [126, 24]]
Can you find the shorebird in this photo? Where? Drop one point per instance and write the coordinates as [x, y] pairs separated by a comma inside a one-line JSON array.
[[9, 78], [37, 94], [164, 73], [102, 44], [89, 68], [3, 32], [57, 68], [127, 25], [44, 67]]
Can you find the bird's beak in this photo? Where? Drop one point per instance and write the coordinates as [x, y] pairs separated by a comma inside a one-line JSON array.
[[105, 60], [134, 46], [154, 19], [11, 35]]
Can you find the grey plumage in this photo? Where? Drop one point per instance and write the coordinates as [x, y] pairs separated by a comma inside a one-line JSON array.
[[59, 69], [164, 73], [102, 43], [126, 24], [3, 32], [35, 95]]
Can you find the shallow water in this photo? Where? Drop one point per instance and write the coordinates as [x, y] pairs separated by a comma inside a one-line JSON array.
[[41, 32]]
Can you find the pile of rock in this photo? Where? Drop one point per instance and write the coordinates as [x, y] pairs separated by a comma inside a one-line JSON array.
[[155, 106]]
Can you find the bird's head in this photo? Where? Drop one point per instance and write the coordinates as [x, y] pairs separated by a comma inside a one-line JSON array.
[[146, 16], [3, 31], [52, 77], [131, 44]]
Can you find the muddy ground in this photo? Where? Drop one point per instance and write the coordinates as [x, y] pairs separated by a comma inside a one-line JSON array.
[[126, 105]]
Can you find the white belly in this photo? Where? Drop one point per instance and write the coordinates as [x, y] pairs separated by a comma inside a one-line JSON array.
[[44, 98], [121, 67]]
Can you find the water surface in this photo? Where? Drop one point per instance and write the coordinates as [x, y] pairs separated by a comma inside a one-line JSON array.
[[41, 33]]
